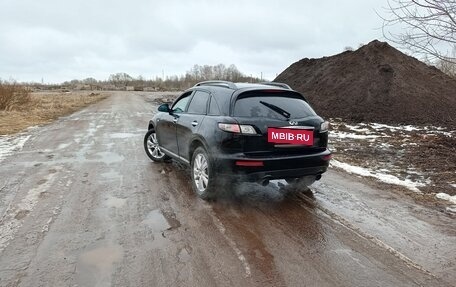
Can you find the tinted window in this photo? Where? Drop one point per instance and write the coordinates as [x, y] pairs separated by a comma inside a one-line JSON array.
[[256, 105], [180, 105], [213, 108], [198, 104]]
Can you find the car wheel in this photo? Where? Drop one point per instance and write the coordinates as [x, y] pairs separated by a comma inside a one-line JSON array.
[[152, 148], [202, 174]]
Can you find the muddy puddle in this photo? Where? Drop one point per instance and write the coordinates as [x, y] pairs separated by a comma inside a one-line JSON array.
[[95, 266], [110, 157], [115, 202], [111, 175], [159, 221]]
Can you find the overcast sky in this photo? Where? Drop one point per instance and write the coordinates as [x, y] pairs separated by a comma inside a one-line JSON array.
[[59, 40]]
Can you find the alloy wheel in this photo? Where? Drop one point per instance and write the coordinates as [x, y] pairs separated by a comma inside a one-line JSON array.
[[200, 173], [153, 147]]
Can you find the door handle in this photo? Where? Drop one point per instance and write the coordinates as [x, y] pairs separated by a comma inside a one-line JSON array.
[[194, 123]]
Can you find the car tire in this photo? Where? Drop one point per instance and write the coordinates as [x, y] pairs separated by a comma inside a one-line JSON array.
[[202, 173], [152, 148]]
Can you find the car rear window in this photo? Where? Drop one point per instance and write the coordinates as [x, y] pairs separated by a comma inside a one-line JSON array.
[[256, 105], [213, 108], [198, 104]]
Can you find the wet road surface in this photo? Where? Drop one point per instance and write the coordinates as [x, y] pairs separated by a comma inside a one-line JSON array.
[[82, 205]]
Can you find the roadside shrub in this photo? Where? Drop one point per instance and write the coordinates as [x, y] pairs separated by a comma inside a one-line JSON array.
[[13, 96]]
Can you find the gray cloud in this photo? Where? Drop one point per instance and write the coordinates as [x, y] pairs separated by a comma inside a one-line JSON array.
[[62, 40]]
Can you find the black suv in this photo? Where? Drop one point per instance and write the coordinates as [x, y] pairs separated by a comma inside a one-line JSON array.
[[256, 132]]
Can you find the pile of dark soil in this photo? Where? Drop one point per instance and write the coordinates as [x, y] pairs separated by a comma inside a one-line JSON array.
[[375, 83]]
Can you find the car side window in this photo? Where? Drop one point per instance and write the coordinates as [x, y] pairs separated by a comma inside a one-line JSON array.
[[181, 104], [213, 108], [198, 105]]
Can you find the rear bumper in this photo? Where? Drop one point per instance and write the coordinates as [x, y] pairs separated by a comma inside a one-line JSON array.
[[282, 174], [276, 167]]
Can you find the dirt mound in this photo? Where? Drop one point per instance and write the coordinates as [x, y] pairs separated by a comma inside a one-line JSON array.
[[375, 83]]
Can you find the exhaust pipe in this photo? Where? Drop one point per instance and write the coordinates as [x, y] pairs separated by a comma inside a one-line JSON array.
[[318, 177], [265, 180]]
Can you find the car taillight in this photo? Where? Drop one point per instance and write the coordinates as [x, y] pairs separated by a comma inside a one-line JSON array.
[[249, 163], [232, 128], [327, 157], [235, 128], [246, 129], [324, 127]]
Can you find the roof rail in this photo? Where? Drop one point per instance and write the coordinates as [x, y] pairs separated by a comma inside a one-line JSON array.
[[277, 84], [225, 84]]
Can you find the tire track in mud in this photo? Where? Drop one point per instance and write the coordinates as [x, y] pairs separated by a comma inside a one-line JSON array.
[[179, 197], [304, 202], [15, 214], [242, 240], [243, 232], [221, 228], [251, 224]]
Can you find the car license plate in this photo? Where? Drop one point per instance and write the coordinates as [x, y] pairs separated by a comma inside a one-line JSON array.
[[290, 136]]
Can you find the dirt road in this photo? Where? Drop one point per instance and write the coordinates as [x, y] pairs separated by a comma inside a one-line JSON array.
[[82, 205]]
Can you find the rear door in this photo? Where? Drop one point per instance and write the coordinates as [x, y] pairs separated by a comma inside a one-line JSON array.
[[189, 122], [284, 121]]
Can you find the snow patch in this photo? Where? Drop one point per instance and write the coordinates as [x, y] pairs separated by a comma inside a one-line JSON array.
[[344, 135], [356, 128], [429, 130], [9, 145], [63, 145], [451, 208], [122, 135], [385, 145], [447, 197], [407, 128], [387, 178]]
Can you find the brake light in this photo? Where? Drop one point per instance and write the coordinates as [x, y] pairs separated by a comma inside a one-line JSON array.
[[235, 128], [249, 163], [327, 157]]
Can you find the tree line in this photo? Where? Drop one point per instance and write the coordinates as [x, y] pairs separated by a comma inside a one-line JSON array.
[[197, 73]]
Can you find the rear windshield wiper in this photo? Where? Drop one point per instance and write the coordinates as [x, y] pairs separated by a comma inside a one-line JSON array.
[[277, 109]]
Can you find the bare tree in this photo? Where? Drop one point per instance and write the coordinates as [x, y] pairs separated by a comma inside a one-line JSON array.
[[430, 26], [120, 79], [89, 81], [447, 67]]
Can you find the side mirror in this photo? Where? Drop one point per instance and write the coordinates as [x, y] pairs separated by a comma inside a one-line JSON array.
[[164, 108]]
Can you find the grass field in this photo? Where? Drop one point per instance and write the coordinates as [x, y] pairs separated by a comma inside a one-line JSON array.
[[44, 107]]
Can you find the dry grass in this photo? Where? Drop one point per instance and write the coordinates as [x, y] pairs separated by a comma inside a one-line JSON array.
[[43, 108], [13, 96]]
